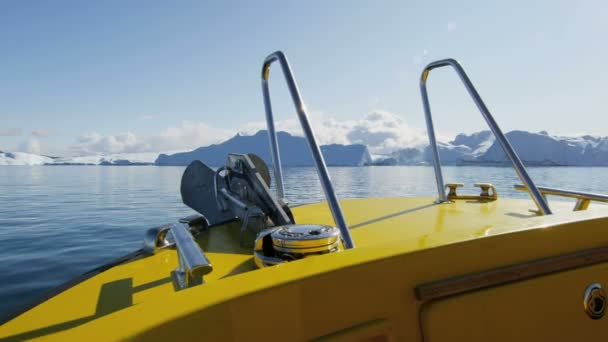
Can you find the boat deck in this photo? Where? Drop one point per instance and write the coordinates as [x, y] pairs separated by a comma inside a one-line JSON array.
[[410, 223]]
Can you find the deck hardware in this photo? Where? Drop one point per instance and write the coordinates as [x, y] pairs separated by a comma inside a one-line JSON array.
[[328, 188], [295, 241], [595, 301], [485, 190], [245, 192], [488, 192], [582, 204], [248, 213], [238, 190], [583, 199], [191, 219], [453, 187], [262, 253], [541, 203], [156, 238], [193, 263], [196, 223]]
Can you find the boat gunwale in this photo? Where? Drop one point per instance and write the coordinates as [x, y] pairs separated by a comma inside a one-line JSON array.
[[56, 290]]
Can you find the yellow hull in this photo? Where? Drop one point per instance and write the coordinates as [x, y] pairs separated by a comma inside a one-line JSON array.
[[421, 271]]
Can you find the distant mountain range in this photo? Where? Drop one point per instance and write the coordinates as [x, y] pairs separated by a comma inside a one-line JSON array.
[[22, 158], [466, 149], [294, 151]]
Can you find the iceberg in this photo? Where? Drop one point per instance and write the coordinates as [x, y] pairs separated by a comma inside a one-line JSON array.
[[534, 149], [22, 158], [544, 149], [146, 158]]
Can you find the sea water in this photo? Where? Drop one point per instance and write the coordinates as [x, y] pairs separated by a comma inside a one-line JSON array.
[[57, 222]]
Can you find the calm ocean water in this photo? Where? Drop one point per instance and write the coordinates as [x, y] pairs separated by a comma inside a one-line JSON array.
[[59, 222]]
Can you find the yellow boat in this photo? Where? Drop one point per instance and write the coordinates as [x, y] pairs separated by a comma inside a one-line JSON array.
[[452, 267]]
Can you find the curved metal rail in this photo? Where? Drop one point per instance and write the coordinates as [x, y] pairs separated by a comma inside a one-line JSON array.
[[326, 183], [583, 199], [536, 195]]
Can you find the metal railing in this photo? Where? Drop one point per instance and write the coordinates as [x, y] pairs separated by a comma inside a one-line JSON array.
[[193, 263], [536, 195], [328, 189], [583, 199]]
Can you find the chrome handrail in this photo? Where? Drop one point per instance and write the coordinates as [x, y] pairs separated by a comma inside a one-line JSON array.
[[328, 189], [155, 239], [193, 263], [537, 197], [583, 198]]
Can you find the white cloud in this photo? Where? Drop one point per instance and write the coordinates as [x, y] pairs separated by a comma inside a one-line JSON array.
[[385, 132], [97, 143], [187, 136], [381, 131]]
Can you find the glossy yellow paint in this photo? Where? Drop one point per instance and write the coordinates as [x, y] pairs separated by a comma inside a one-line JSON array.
[[367, 292], [549, 308]]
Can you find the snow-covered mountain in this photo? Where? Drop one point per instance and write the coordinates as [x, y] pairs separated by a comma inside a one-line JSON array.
[[532, 148]]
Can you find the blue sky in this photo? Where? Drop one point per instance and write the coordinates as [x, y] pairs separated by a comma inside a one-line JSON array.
[[84, 77]]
